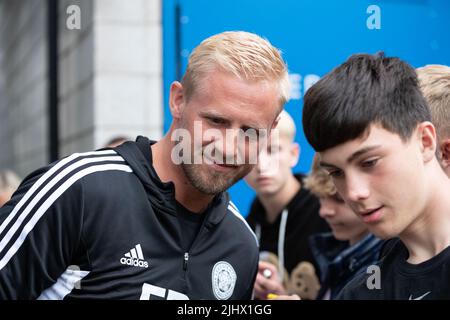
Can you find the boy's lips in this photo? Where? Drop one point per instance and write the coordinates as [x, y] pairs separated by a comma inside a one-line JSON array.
[[371, 215]]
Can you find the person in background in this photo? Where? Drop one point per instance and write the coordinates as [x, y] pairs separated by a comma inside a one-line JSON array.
[[9, 182], [284, 214], [434, 81], [116, 141]]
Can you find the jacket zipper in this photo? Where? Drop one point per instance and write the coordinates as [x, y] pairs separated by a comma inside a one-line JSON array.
[[186, 254], [185, 262]]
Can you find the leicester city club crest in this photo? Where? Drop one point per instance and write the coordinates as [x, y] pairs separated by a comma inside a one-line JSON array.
[[223, 280]]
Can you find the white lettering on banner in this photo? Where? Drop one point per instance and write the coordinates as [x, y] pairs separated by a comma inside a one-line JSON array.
[[299, 88]]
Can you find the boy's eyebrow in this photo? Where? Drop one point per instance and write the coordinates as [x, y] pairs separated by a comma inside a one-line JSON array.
[[354, 155], [360, 152], [324, 164]]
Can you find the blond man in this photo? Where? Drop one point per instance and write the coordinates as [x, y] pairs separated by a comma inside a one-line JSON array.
[[145, 220], [434, 82]]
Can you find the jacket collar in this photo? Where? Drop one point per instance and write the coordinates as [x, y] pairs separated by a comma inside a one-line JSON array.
[[162, 194], [337, 258]]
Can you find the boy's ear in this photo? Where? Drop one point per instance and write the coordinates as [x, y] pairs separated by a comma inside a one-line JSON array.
[[176, 99], [427, 136], [444, 152], [295, 154]]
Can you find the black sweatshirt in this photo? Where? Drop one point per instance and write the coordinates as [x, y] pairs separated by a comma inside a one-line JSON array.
[[303, 221], [393, 278], [102, 225]]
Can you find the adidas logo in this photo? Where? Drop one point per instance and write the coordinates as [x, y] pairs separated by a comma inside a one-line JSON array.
[[134, 258]]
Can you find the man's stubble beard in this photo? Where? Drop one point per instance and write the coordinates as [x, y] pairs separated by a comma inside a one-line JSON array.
[[212, 182]]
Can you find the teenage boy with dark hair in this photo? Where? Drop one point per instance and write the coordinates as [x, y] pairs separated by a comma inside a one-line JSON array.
[[371, 125]]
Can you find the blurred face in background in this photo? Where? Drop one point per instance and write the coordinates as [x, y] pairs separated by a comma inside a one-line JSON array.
[[9, 182], [275, 165], [4, 197], [344, 223]]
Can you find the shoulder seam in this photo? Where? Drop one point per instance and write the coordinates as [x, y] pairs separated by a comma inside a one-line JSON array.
[[68, 177], [234, 210]]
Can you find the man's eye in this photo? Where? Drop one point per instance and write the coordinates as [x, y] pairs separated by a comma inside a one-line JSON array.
[[369, 163], [216, 120]]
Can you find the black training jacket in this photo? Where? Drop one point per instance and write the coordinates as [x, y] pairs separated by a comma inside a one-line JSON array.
[[102, 225]]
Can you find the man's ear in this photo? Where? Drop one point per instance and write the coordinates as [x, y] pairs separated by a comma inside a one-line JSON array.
[[176, 99], [427, 136], [275, 123], [295, 154], [444, 150]]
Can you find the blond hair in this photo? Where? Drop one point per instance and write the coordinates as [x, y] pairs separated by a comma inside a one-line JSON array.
[[434, 82], [243, 54], [319, 181]]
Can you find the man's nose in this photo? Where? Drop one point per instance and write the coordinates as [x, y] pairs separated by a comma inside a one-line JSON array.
[[225, 148]]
